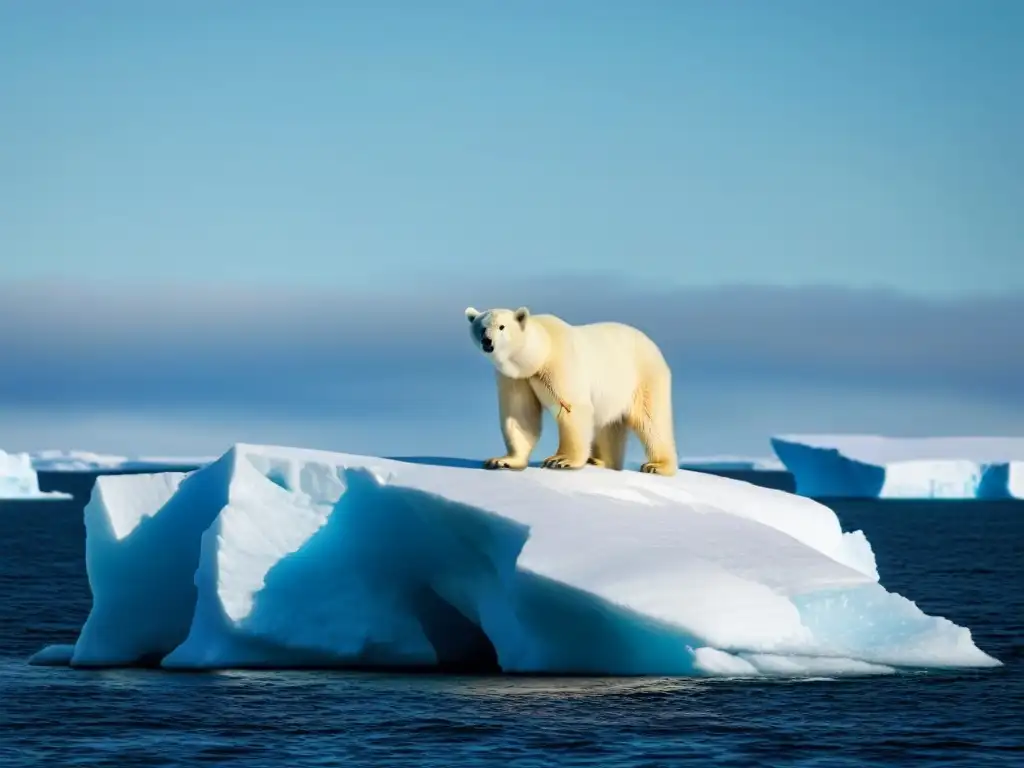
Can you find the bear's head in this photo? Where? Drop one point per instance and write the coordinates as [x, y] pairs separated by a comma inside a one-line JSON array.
[[498, 333]]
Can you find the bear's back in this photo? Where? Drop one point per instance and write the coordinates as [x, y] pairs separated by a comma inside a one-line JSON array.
[[605, 347], [612, 339]]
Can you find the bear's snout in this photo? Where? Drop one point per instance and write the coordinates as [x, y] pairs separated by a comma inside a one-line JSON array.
[[486, 343]]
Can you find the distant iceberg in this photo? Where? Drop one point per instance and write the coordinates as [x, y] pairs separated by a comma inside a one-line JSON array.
[[85, 461], [871, 466], [732, 463], [283, 558], [18, 479]]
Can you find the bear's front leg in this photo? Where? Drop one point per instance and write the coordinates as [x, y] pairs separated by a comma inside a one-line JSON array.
[[575, 436], [521, 421]]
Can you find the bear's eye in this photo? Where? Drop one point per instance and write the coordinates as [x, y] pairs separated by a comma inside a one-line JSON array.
[[501, 327]]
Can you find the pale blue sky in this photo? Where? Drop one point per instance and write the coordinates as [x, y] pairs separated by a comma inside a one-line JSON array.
[[686, 143], [262, 220]]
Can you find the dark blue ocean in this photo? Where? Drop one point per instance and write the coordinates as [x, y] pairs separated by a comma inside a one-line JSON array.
[[964, 561]]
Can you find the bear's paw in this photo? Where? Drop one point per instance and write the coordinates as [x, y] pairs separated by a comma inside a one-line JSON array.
[[561, 461], [505, 462], [658, 468]]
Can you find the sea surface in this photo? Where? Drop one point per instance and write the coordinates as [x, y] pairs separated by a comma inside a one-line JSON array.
[[963, 560]]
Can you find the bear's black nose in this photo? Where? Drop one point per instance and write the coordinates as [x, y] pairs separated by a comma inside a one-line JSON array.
[[486, 343]]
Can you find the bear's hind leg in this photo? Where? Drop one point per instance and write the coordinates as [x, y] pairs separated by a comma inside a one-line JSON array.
[[651, 419], [609, 448], [521, 421], [598, 453]]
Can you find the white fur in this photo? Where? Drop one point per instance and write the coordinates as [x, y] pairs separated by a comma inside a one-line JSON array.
[[605, 372]]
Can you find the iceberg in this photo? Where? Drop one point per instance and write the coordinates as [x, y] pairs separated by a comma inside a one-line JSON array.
[[732, 463], [872, 466], [86, 461], [18, 479], [275, 557]]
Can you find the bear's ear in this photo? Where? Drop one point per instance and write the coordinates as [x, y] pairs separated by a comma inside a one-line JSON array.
[[471, 314], [521, 314]]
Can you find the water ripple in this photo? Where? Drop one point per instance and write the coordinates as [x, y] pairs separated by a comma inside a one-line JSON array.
[[964, 568]]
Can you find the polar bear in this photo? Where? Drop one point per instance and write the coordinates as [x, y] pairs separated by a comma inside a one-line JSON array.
[[598, 380]]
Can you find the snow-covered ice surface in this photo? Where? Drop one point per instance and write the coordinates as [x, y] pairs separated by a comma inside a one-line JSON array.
[[18, 479], [280, 557], [727, 462], [84, 461], [871, 466]]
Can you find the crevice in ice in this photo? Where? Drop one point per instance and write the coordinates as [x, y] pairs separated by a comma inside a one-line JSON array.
[[277, 477], [459, 644]]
